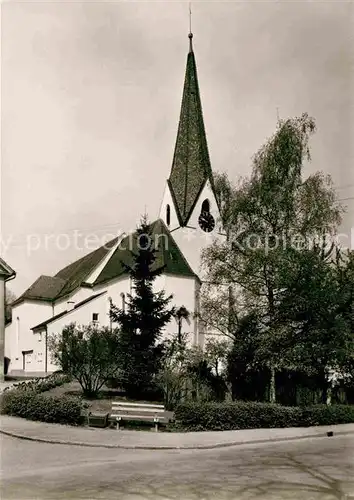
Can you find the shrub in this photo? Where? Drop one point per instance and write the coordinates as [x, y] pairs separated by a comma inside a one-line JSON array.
[[244, 415], [88, 354], [39, 385], [28, 404]]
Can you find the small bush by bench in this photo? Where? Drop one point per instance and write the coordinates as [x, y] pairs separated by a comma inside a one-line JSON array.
[[33, 406], [244, 415]]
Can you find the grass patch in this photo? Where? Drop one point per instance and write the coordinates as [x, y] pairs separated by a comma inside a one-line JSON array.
[[103, 403]]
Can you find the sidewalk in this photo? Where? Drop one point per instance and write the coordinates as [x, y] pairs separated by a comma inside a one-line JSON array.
[[130, 439]]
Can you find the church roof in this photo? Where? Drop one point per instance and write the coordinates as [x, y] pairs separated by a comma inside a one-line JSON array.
[[168, 255], [191, 166], [44, 288], [52, 288], [78, 271]]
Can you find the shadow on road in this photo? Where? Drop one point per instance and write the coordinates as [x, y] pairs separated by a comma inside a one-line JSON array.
[[318, 470]]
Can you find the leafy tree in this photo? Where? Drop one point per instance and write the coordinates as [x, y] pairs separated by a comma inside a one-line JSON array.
[[246, 370], [276, 209], [141, 324], [221, 308], [216, 352], [88, 354], [187, 372], [318, 303], [203, 383], [171, 378]]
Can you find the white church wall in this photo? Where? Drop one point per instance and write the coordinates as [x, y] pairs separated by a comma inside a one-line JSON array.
[[77, 296], [20, 337], [81, 316], [183, 291], [115, 289]]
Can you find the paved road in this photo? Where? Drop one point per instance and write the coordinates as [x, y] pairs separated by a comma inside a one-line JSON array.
[[318, 469]]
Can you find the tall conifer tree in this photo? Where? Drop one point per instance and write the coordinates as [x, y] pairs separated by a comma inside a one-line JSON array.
[[147, 312]]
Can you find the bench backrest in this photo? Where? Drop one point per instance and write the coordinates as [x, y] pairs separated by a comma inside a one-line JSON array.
[[119, 407]]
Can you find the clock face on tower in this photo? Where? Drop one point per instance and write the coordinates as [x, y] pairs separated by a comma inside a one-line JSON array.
[[206, 222]]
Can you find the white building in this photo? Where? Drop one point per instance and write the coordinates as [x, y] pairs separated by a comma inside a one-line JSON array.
[[188, 222], [6, 274]]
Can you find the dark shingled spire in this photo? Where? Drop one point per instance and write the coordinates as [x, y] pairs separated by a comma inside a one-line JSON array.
[[191, 164]]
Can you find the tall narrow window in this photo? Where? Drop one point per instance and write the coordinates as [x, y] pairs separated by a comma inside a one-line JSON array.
[[168, 215], [206, 206], [123, 301]]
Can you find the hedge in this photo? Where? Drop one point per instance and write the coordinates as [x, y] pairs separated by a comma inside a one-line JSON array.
[[33, 406], [244, 415], [25, 400]]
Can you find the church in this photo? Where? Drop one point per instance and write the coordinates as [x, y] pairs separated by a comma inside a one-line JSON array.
[[189, 220]]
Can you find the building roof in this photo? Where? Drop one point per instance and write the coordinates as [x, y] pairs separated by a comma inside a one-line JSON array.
[[42, 325], [44, 288], [78, 271], [168, 255], [51, 288], [5, 270], [191, 166]]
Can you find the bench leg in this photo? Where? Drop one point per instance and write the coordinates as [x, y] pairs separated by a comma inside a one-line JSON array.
[[156, 426], [117, 424]]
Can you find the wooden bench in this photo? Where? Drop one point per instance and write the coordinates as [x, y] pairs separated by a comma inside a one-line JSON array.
[[137, 411]]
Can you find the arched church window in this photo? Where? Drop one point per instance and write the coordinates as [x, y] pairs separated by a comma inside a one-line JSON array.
[[168, 215], [206, 206], [123, 301]]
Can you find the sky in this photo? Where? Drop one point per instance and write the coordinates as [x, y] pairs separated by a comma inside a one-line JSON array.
[[90, 100]]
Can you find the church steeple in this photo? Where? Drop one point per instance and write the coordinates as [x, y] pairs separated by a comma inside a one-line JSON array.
[[191, 164]]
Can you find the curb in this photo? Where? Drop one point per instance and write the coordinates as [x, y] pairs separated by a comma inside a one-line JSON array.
[[201, 447]]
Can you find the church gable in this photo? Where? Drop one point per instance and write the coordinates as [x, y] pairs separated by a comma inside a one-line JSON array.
[[168, 212], [206, 203], [168, 255]]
